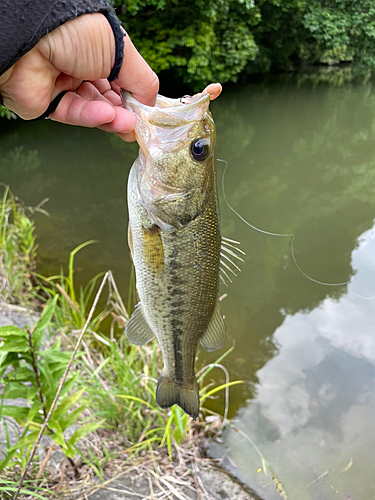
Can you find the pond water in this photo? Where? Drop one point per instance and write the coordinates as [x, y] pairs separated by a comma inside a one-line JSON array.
[[301, 160]]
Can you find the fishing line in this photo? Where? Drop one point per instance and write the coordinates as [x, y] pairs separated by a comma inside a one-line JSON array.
[[292, 236]]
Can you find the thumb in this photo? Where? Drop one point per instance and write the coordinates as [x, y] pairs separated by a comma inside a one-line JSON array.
[[137, 77]]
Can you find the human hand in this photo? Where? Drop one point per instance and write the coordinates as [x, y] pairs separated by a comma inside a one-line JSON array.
[[77, 57]]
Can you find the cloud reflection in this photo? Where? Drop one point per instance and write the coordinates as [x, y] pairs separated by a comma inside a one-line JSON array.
[[315, 403]]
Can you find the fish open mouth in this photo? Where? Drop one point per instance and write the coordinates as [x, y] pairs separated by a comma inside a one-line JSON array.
[[168, 112], [186, 101], [169, 106]]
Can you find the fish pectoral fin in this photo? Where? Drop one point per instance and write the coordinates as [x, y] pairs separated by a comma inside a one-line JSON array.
[[153, 251], [168, 393], [137, 329], [214, 337]]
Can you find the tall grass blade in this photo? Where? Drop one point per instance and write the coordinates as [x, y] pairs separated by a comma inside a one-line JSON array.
[[71, 264]]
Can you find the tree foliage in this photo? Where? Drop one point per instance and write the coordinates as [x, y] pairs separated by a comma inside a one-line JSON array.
[[202, 41], [342, 29], [218, 40]]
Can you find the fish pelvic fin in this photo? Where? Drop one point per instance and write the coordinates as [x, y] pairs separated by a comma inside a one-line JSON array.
[[214, 336], [169, 393], [137, 330]]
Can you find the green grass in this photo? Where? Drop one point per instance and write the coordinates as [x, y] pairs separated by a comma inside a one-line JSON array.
[[17, 250], [9, 487], [110, 390], [119, 378]]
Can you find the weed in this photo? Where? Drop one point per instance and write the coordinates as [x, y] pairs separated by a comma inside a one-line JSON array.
[[31, 372], [109, 391], [8, 487], [17, 250]]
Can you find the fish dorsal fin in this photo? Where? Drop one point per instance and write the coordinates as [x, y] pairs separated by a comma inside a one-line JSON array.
[[214, 337], [228, 250], [137, 329]]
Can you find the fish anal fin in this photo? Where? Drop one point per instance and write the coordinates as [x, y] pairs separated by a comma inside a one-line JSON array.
[[168, 393], [214, 336], [153, 248], [137, 329]]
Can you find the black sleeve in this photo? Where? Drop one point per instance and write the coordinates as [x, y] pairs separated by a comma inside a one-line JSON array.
[[24, 22]]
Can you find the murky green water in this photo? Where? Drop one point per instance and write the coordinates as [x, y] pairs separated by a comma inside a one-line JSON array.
[[301, 160]]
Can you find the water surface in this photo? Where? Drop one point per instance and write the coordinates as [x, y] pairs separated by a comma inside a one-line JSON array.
[[301, 160]]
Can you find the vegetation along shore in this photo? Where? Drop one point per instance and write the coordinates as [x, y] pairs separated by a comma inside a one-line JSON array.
[[77, 394], [204, 41]]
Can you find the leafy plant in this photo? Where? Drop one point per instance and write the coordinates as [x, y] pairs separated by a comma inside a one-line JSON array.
[[121, 389], [9, 487], [17, 250], [202, 41], [113, 381], [205, 41], [31, 371]]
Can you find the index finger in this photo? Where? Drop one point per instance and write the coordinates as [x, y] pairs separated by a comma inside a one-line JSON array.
[[137, 77]]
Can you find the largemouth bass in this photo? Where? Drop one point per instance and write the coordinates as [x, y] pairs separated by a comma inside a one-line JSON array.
[[175, 240]]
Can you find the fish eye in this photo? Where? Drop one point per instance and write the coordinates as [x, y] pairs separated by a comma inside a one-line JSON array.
[[199, 149]]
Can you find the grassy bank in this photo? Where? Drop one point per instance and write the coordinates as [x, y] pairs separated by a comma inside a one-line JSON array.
[[82, 383]]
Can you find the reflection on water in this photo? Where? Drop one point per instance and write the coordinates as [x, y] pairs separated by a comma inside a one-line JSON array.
[[301, 160], [313, 413], [303, 163], [83, 173]]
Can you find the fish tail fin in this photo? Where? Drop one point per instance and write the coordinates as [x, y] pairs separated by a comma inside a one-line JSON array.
[[169, 393]]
